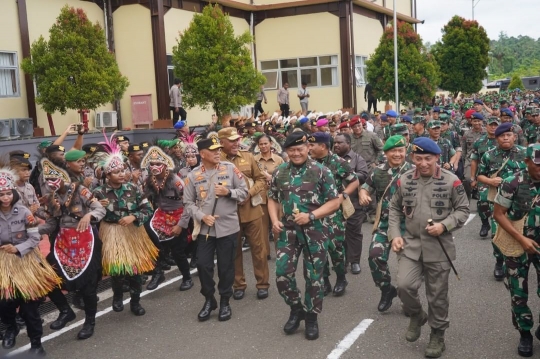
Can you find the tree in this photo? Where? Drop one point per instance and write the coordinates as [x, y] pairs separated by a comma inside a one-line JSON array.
[[462, 56], [516, 83], [74, 69], [215, 65], [417, 72]]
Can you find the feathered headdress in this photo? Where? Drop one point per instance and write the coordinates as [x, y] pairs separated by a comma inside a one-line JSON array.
[[114, 158], [212, 134], [190, 144], [156, 154], [8, 177], [52, 171]]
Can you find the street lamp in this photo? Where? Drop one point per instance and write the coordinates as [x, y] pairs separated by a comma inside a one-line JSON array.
[[396, 57], [473, 6]]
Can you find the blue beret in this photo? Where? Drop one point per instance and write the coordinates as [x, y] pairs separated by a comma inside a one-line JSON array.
[[406, 118], [179, 124], [536, 100], [303, 120], [436, 109], [478, 115], [425, 146], [383, 117], [507, 112], [391, 113], [320, 137], [503, 128], [478, 102]]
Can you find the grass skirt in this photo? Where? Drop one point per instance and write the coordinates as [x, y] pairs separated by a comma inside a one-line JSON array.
[[27, 278], [126, 250]]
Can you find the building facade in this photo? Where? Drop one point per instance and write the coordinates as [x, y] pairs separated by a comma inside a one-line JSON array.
[[322, 42]]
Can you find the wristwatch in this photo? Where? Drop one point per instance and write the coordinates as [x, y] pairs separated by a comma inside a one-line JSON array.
[[311, 217], [345, 195]]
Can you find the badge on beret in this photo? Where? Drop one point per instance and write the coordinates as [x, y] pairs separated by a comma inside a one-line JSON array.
[[61, 148]]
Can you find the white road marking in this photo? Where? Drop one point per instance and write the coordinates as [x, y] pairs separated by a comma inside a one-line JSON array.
[[471, 216], [349, 339], [98, 314]]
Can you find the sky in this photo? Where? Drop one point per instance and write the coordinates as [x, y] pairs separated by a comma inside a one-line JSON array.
[[516, 17]]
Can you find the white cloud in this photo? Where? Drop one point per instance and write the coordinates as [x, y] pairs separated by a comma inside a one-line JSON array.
[[517, 17]]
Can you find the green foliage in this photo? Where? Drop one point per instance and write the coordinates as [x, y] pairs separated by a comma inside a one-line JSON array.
[[516, 83], [462, 56], [417, 71], [74, 69], [514, 55], [215, 65]]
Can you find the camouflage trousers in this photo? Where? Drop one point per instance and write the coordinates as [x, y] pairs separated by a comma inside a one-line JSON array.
[[517, 282], [496, 251], [289, 246], [336, 247], [379, 251], [484, 208]]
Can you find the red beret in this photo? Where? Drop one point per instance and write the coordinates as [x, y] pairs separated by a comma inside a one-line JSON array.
[[469, 113], [354, 121], [344, 125]]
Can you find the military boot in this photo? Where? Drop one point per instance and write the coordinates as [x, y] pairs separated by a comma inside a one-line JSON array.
[[36, 349], [498, 272], [436, 346], [525, 347], [485, 228], [341, 284], [297, 315], [415, 326], [327, 286], [388, 293], [135, 305], [118, 302], [65, 316], [157, 278], [225, 311], [88, 327], [312, 327]]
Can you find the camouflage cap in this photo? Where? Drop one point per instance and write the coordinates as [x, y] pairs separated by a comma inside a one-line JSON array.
[[533, 153], [493, 119], [418, 119], [434, 124], [443, 117], [529, 109], [399, 129]]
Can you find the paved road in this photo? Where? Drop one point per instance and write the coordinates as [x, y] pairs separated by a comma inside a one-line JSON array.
[[479, 312]]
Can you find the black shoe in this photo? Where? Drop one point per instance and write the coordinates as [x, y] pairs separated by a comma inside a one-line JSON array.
[[88, 328], [498, 272], [10, 337], [37, 351], [20, 321], [65, 316], [225, 311], [262, 293], [339, 288], [297, 315], [118, 304], [355, 268], [239, 294], [484, 230], [156, 280], [193, 263], [525, 347], [136, 309], [186, 285], [327, 287], [312, 327], [77, 301], [209, 305], [388, 293]]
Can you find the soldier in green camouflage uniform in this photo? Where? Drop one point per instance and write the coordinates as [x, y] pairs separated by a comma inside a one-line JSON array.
[[419, 127], [449, 157], [533, 130], [482, 145], [307, 192], [519, 196], [382, 181], [528, 120], [504, 161], [346, 182], [467, 146]]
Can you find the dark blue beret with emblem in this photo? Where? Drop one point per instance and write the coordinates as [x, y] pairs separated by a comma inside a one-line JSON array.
[[320, 137], [425, 146], [503, 128]]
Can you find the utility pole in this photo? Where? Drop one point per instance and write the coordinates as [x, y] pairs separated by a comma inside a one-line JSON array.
[[473, 6], [396, 57]]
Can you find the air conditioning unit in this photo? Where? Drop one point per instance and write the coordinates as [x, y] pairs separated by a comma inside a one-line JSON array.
[[5, 129], [106, 119], [21, 127]]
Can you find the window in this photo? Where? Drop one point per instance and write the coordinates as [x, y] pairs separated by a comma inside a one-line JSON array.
[[170, 70], [533, 82], [9, 74], [316, 71], [360, 70]]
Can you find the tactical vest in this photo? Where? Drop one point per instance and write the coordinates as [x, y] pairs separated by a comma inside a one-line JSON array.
[[381, 179], [485, 145], [523, 198]]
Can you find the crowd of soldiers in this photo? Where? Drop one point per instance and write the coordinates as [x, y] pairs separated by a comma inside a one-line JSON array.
[[307, 183]]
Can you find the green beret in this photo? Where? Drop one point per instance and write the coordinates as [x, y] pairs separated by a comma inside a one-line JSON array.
[[74, 155], [417, 110], [44, 144], [393, 142], [399, 129], [167, 143]]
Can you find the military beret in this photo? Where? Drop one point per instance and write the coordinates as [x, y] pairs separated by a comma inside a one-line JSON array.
[[122, 138], [418, 119], [74, 155], [399, 129], [503, 128], [417, 110], [533, 153], [19, 153], [425, 146], [468, 113], [90, 148], [322, 122], [208, 144], [344, 125], [403, 111], [167, 143], [478, 102], [478, 116], [364, 115], [55, 148], [433, 124], [295, 139], [494, 119], [506, 112], [145, 145], [249, 125], [332, 123], [303, 120], [134, 148], [354, 121], [313, 122], [384, 118], [178, 125], [406, 118], [391, 113], [428, 108], [393, 142], [44, 144], [436, 109], [319, 137]]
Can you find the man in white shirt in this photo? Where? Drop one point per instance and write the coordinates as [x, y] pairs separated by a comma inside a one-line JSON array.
[[303, 95]]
